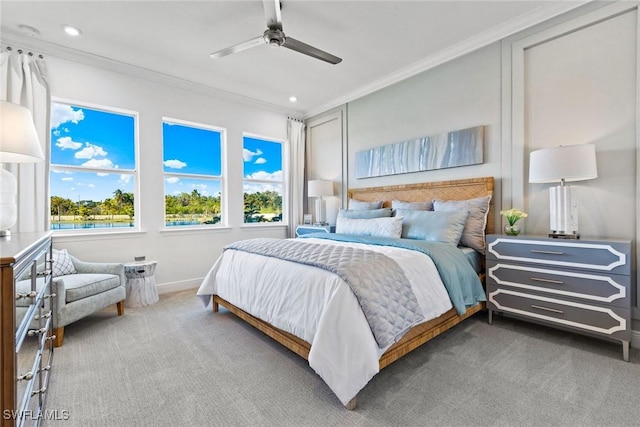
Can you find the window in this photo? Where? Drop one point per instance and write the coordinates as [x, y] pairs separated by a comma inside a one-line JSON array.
[[192, 164], [263, 180], [92, 180]]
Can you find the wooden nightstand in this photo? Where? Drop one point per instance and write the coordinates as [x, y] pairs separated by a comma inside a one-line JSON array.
[[580, 285], [308, 229]]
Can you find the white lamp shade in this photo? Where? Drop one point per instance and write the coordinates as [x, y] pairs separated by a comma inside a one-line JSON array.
[[18, 137], [320, 188], [568, 162]]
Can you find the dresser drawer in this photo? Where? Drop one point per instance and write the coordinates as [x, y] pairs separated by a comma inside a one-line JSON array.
[[610, 257], [587, 286], [609, 321]]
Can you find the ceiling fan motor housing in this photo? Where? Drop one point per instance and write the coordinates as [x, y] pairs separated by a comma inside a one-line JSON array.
[[274, 37]]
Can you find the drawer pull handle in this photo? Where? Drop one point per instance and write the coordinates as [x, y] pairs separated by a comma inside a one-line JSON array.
[[25, 377], [43, 316], [32, 332], [43, 273], [31, 294], [48, 296], [547, 309], [536, 251], [538, 279], [41, 391]]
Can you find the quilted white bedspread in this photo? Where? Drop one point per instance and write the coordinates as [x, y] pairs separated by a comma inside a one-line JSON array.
[[320, 308]]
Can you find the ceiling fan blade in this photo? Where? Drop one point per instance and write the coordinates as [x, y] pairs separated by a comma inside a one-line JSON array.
[[239, 47], [272, 13], [298, 46]]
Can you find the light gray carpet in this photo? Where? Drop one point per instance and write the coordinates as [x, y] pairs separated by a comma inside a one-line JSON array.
[[176, 363]]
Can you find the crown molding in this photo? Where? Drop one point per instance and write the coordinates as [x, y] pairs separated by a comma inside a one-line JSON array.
[[47, 48], [481, 40]]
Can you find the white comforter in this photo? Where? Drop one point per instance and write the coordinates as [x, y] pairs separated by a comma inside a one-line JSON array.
[[320, 308]]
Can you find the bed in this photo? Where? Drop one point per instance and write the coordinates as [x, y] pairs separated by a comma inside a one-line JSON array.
[[326, 318]]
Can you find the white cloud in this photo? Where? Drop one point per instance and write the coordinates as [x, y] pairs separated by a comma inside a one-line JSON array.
[[91, 186], [252, 187], [67, 143], [90, 151], [174, 164], [56, 132], [125, 179], [248, 155], [266, 176], [172, 180], [67, 179], [102, 163], [61, 113], [260, 161]]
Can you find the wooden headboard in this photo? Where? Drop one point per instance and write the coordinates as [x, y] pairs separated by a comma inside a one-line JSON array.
[[460, 189]]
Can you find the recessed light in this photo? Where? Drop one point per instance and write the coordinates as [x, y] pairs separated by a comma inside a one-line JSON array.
[[293, 99], [71, 30]]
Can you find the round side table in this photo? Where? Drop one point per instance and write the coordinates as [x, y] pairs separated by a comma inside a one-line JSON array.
[[141, 285]]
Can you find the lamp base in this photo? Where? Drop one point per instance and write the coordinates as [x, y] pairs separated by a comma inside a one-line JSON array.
[[564, 235], [4, 233]]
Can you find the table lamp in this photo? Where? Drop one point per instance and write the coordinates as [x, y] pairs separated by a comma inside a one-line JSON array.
[[563, 164], [320, 188], [18, 144]]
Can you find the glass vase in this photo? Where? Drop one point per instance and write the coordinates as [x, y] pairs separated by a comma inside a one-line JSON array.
[[512, 230]]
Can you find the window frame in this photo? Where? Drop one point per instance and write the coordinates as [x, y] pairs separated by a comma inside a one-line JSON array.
[[284, 183], [222, 178], [70, 168]]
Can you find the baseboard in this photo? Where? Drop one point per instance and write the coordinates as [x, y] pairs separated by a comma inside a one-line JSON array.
[[635, 339], [183, 285]]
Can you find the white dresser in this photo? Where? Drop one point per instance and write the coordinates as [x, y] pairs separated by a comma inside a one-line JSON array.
[[580, 285]]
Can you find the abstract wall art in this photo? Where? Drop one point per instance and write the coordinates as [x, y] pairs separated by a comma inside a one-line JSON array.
[[444, 150]]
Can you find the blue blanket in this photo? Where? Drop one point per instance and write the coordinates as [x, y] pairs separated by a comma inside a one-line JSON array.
[[459, 278]]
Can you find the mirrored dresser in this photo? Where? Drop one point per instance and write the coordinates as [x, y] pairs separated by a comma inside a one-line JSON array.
[[25, 322]]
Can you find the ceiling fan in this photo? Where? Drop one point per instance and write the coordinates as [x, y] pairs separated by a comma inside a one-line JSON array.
[[274, 36]]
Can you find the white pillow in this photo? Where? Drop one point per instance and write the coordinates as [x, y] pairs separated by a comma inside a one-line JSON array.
[[374, 227], [62, 264]]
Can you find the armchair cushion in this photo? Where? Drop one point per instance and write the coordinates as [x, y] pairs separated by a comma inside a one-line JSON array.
[[79, 286]]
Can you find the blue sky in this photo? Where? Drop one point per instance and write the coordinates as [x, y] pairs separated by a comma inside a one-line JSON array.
[[84, 137]]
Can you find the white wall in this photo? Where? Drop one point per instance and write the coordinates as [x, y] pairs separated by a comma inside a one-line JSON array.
[[183, 256]]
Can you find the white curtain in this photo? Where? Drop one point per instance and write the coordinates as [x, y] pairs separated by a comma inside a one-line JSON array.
[[23, 82], [297, 142]]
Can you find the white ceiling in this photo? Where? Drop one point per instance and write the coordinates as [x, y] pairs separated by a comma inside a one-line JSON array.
[[380, 41]]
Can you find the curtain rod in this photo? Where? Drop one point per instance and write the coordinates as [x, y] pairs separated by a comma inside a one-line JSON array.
[[295, 120], [20, 51]]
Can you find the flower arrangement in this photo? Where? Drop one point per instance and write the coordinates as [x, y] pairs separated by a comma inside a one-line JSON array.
[[513, 215]]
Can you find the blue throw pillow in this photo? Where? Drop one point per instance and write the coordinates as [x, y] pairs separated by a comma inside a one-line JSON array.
[[439, 226]]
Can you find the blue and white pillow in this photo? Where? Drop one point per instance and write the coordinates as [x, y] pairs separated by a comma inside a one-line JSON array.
[[62, 264]]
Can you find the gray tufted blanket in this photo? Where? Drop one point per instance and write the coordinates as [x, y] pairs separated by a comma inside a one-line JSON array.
[[381, 287]]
